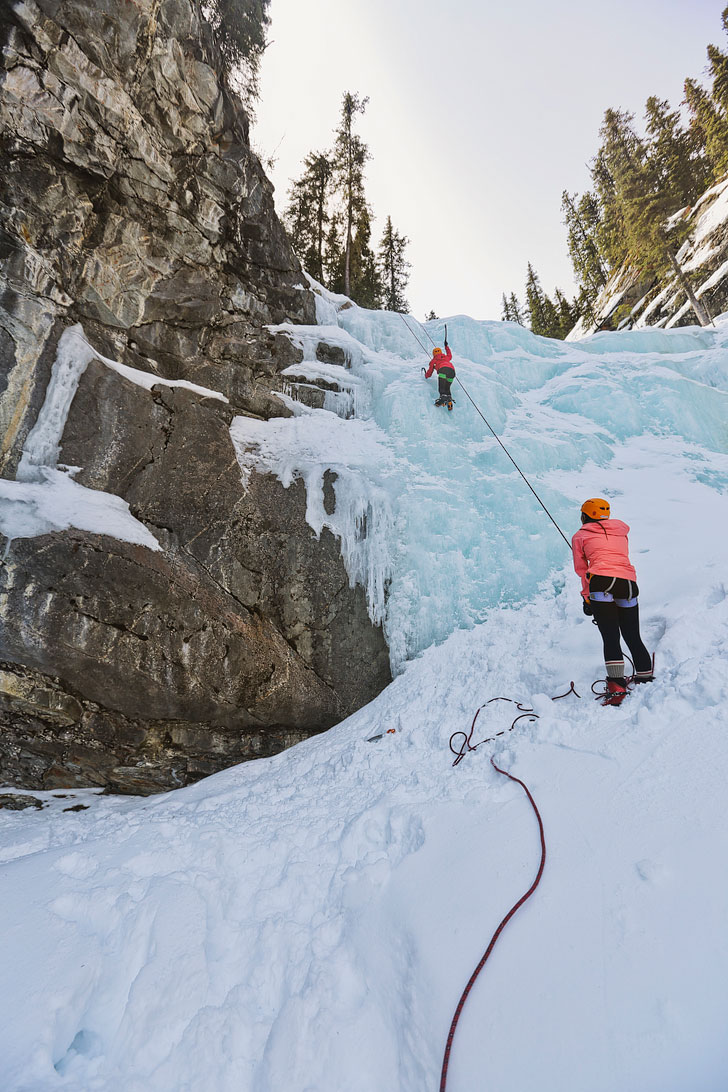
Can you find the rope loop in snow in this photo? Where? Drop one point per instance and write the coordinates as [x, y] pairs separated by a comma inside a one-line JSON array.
[[525, 713]]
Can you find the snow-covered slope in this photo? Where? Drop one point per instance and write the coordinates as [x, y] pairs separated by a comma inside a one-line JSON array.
[[307, 923]]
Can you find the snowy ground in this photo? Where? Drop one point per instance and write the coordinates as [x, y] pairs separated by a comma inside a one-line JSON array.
[[307, 923]]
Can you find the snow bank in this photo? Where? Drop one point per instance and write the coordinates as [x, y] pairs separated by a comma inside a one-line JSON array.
[[308, 922]]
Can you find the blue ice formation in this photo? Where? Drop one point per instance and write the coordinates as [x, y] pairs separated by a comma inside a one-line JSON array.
[[434, 520]]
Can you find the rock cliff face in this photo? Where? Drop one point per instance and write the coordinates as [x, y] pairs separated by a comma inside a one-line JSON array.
[[132, 204]]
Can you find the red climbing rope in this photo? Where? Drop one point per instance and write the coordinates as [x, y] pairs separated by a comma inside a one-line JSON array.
[[501, 927]]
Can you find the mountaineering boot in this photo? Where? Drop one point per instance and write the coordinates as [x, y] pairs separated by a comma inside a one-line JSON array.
[[449, 404], [441, 401], [646, 676], [616, 692]]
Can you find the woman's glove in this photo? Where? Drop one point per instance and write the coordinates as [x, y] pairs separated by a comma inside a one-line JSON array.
[[587, 607]]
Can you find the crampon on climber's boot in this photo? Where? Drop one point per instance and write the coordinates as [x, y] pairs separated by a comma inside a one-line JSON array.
[[615, 693]]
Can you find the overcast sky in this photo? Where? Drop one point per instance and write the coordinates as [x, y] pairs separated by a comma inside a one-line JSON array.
[[479, 116]]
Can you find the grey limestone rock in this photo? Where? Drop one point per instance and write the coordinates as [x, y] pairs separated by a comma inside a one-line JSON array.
[[131, 202]]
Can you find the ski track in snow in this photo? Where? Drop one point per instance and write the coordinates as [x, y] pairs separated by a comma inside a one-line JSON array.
[[307, 923]]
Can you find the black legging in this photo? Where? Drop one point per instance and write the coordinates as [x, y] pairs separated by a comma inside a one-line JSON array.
[[445, 377], [613, 620]]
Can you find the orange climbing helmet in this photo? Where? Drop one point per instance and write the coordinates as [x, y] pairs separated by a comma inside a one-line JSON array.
[[437, 352], [596, 508]]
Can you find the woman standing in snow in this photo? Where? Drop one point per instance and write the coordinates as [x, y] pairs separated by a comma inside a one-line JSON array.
[[601, 559]]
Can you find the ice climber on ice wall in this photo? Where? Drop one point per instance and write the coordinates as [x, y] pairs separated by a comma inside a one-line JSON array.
[[609, 588], [442, 364]]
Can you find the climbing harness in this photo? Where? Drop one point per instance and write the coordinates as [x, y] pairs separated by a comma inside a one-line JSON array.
[[492, 431], [606, 596], [516, 906]]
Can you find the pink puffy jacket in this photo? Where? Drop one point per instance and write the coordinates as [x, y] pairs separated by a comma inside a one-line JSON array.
[[602, 548], [441, 360]]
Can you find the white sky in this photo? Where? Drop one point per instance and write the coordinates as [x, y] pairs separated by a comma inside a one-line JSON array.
[[480, 115]]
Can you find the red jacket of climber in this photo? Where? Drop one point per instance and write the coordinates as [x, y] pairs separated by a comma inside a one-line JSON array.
[[440, 360]]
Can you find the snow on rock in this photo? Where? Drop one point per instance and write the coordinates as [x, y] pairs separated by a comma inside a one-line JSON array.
[[56, 502], [44, 498], [663, 303], [307, 446]]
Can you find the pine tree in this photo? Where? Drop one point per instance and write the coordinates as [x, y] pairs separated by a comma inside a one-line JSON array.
[[365, 285], [334, 255], [709, 126], [540, 314], [718, 66], [674, 154], [567, 314], [609, 233], [516, 310], [548, 319], [239, 29], [534, 300], [582, 221], [394, 268], [349, 158], [552, 321], [511, 309], [307, 217], [643, 203], [431, 317]]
